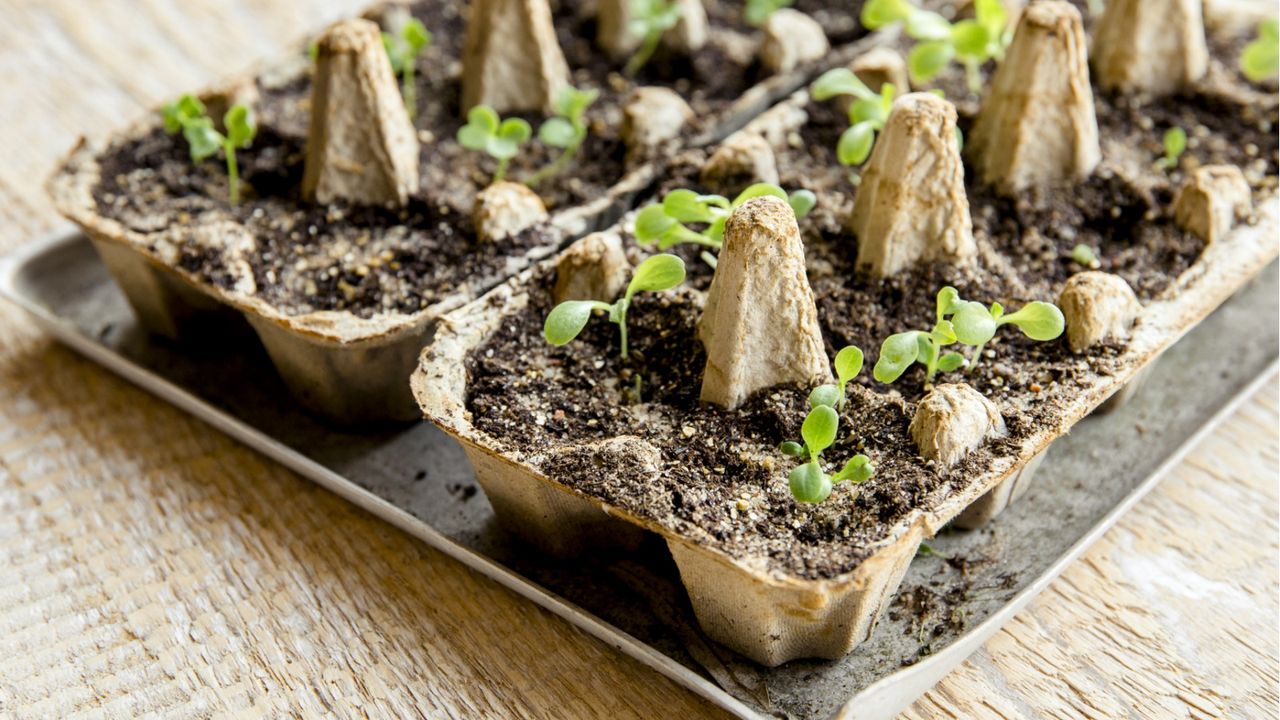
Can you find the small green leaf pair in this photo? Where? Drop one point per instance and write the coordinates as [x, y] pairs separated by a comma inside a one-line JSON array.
[[500, 139], [1175, 143], [971, 42], [809, 483], [968, 323], [1260, 59], [566, 130], [649, 20], [566, 320], [665, 223], [758, 11], [188, 115], [867, 113], [848, 364], [403, 50]]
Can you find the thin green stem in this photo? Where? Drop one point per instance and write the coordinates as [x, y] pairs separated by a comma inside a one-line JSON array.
[[977, 356], [622, 327], [233, 173], [501, 172], [642, 55], [409, 89], [973, 71], [555, 167]]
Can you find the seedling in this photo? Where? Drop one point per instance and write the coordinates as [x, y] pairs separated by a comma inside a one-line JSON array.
[[665, 222], [970, 42], [1084, 256], [1260, 59], [969, 323], [867, 113], [848, 364], [566, 320], [500, 139], [188, 115], [809, 482], [566, 130], [403, 49], [1175, 143], [898, 352], [758, 11], [649, 20]]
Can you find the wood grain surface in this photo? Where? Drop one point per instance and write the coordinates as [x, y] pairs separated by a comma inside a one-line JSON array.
[[150, 566]]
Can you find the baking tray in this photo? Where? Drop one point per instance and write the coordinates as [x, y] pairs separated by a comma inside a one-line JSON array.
[[952, 599]]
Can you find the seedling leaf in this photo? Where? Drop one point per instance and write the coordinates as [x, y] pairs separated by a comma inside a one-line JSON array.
[[1037, 320], [848, 364], [828, 395], [819, 429], [809, 484], [858, 470], [656, 273], [855, 144], [973, 324], [897, 353], [566, 320]]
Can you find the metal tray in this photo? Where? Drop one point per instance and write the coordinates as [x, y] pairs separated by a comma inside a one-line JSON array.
[[418, 480]]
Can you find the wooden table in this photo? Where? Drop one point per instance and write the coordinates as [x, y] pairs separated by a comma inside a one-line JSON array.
[[149, 565]]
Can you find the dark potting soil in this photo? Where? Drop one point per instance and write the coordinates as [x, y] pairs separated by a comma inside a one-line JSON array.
[[722, 481]]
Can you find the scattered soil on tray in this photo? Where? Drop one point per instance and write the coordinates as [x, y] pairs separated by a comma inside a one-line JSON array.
[[721, 479]]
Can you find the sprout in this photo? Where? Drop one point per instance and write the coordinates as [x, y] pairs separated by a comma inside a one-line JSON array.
[[809, 482], [500, 139], [1083, 255], [758, 11], [970, 42], [649, 20], [566, 130], [403, 50], [665, 222], [1260, 59], [1175, 143], [848, 364], [566, 320], [188, 114], [867, 113], [969, 323]]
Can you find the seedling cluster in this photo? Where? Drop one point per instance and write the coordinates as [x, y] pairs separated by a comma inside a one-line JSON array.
[[970, 42], [649, 20], [1260, 59], [809, 482], [403, 50], [189, 116], [655, 274], [666, 223], [500, 139], [965, 322]]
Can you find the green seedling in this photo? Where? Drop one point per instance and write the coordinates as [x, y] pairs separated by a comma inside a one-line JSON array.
[[867, 113], [188, 116], [1260, 59], [665, 223], [500, 139], [649, 20], [848, 364], [809, 482], [968, 323], [403, 50], [1175, 143], [1084, 256], [566, 130], [970, 42], [566, 320], [758, 11]]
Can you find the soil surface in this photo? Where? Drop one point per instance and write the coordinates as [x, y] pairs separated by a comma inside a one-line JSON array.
[[721, 479]]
